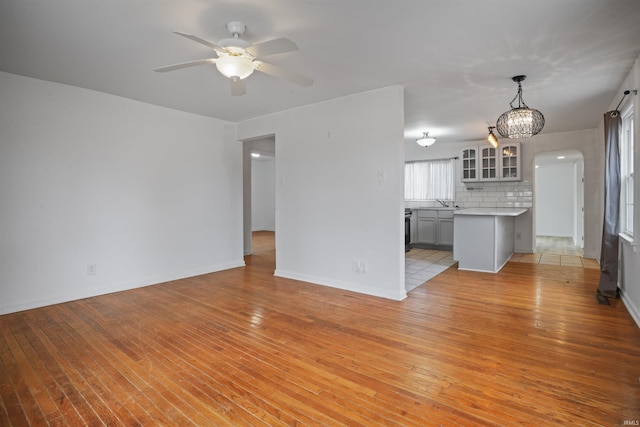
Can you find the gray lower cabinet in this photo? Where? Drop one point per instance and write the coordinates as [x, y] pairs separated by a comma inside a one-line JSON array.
[[427, 222], [435, 228], [414, 226], [445, 232]]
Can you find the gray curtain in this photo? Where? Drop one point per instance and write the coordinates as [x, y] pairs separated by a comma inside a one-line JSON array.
[[609, 251]]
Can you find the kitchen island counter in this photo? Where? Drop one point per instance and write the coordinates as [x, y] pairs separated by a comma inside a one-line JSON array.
[[484, 238], [492, 211]]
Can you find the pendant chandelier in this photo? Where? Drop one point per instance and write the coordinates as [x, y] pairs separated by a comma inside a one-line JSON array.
[[520, 121], [426, 140]]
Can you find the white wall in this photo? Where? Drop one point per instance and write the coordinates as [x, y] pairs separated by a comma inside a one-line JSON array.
[[578, 230], [144, 193], [263, 195], [339, 191], [555, 200]]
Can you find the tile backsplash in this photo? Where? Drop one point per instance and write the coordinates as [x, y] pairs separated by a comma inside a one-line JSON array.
[[512, 194]]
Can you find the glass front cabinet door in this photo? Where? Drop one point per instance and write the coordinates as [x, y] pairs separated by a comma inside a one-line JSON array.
[[510, 162], [488, 164], [484, 163], [469, 164]]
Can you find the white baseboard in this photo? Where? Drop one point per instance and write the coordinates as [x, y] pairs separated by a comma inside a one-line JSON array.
[[323, 281], [115, 287], [631, 308]]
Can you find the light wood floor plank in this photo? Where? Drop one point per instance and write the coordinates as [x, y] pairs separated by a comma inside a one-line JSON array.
[[526, 346], [34, 372]]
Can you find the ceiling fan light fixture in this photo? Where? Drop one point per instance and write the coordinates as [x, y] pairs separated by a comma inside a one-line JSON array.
[[426, 140], [235, 67], [237, 59], [520, 121], [491, 138]]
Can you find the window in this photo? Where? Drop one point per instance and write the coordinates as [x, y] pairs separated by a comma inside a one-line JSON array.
[[626, 173], [429, 180]]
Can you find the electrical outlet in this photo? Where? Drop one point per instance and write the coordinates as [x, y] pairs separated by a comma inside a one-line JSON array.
[[91, 269]]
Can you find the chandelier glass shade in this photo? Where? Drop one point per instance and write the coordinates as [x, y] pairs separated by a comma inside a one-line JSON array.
[[235, 67], [426, 140], [520, 121]]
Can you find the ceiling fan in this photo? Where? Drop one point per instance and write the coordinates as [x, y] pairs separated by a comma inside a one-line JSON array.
[[237, 59]]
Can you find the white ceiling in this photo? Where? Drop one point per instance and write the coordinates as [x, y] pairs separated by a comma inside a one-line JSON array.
[[455, 58]]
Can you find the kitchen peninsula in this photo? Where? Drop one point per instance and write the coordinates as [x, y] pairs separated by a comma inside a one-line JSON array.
[[484, 238]]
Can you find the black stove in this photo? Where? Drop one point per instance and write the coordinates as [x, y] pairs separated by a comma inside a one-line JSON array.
[[407, 229]]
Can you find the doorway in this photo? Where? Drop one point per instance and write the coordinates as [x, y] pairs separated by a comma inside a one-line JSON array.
[[559, 201], [259, 195]]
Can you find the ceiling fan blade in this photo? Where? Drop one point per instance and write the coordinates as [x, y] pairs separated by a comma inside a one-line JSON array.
[[238, 87], [201, 41], [271, 47], [185, 65], [283, 74]]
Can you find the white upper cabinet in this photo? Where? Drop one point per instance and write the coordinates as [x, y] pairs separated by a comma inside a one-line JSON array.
[[510, 156], [486, 163], [470, 164]]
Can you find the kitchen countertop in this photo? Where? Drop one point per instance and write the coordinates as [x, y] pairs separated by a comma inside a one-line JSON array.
[[434, 208], [492, 211]]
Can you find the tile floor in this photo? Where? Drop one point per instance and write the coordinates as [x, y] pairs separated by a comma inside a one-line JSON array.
[[423, 264], [557, 245], [556, 251], [555, 259]]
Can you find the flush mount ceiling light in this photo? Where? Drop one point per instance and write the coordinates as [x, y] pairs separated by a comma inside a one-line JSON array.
[[426, 140], [491, 138], [520, 121]]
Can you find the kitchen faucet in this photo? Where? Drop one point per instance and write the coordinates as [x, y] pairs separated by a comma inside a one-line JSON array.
[[444, 204]]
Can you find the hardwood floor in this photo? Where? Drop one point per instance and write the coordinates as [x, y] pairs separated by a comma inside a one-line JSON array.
[[423, 264], [526, 346]]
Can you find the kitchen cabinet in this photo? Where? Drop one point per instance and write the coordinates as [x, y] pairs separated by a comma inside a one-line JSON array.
[[435, 228], [445, 228], [414, 226], [484, 238], [510, 157], [469, 164], [427, 226], [486, 163]]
